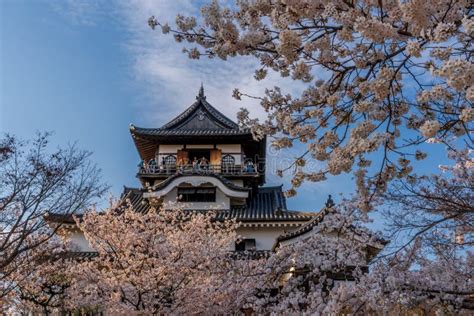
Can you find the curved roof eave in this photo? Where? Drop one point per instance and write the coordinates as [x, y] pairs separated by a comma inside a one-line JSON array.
[[379, 243], [226, 186]]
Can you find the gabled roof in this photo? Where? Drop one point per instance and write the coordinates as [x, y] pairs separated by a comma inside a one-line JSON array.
[[201, 115], [199, 123], [201, 118]]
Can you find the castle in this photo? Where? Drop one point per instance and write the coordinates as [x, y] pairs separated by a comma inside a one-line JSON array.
[[202, 160]]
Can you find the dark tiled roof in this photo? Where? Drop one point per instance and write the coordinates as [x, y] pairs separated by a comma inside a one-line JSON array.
[[140, 131], [61, 218], [207, 111], [308, 226], [135, 198], [129, 195], [78, 255], [267, 204], [226, 182], [269, 198], [252, 254], [246, 214], [199, 123]]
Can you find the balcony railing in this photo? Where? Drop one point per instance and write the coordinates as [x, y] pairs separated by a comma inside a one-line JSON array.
[[223, 169]]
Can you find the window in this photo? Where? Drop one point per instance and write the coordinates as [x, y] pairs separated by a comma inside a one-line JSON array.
[[246, 245], [228, 160], [169, 160], [197, 194], [228, 163]]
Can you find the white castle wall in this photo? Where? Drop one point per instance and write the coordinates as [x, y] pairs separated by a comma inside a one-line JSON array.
[[79, 241], [362, 260], [265, 237]]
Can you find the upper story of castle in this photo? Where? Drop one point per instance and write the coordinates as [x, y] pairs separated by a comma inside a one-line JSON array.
[[200, 141]]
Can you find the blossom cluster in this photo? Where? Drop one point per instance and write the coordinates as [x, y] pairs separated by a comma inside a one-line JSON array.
[[404, 66]]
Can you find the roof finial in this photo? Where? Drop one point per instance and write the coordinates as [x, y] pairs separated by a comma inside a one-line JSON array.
[[329, 202], [201, 92]]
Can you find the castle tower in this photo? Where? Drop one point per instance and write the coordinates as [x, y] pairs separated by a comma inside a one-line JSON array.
[[202, 160]]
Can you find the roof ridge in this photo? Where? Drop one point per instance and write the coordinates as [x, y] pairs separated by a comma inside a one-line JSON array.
[[271, 187], [181, 116], [219, 114], [308, 226], [226, 122]]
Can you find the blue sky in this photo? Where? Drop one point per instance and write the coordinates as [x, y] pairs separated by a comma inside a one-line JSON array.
[[86, 69], [70, 78]]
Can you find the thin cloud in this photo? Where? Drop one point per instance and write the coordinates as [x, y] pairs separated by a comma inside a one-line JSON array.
[[82, 12], [172, 79], [168, 80]]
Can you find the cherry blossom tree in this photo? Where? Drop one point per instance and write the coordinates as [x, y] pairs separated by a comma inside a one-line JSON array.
[[382, 77], [161, 262], [411, 282], [429, 265], [326, 273], [40, 281], [431, 219], [436, 209], [307, 272], [35, 180], [179, 262]]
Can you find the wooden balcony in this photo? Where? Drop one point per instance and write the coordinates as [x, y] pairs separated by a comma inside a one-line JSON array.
[[229, 170]]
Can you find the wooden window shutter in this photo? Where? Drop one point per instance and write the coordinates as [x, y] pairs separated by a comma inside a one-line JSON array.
[[216, 157], [182, 157]]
